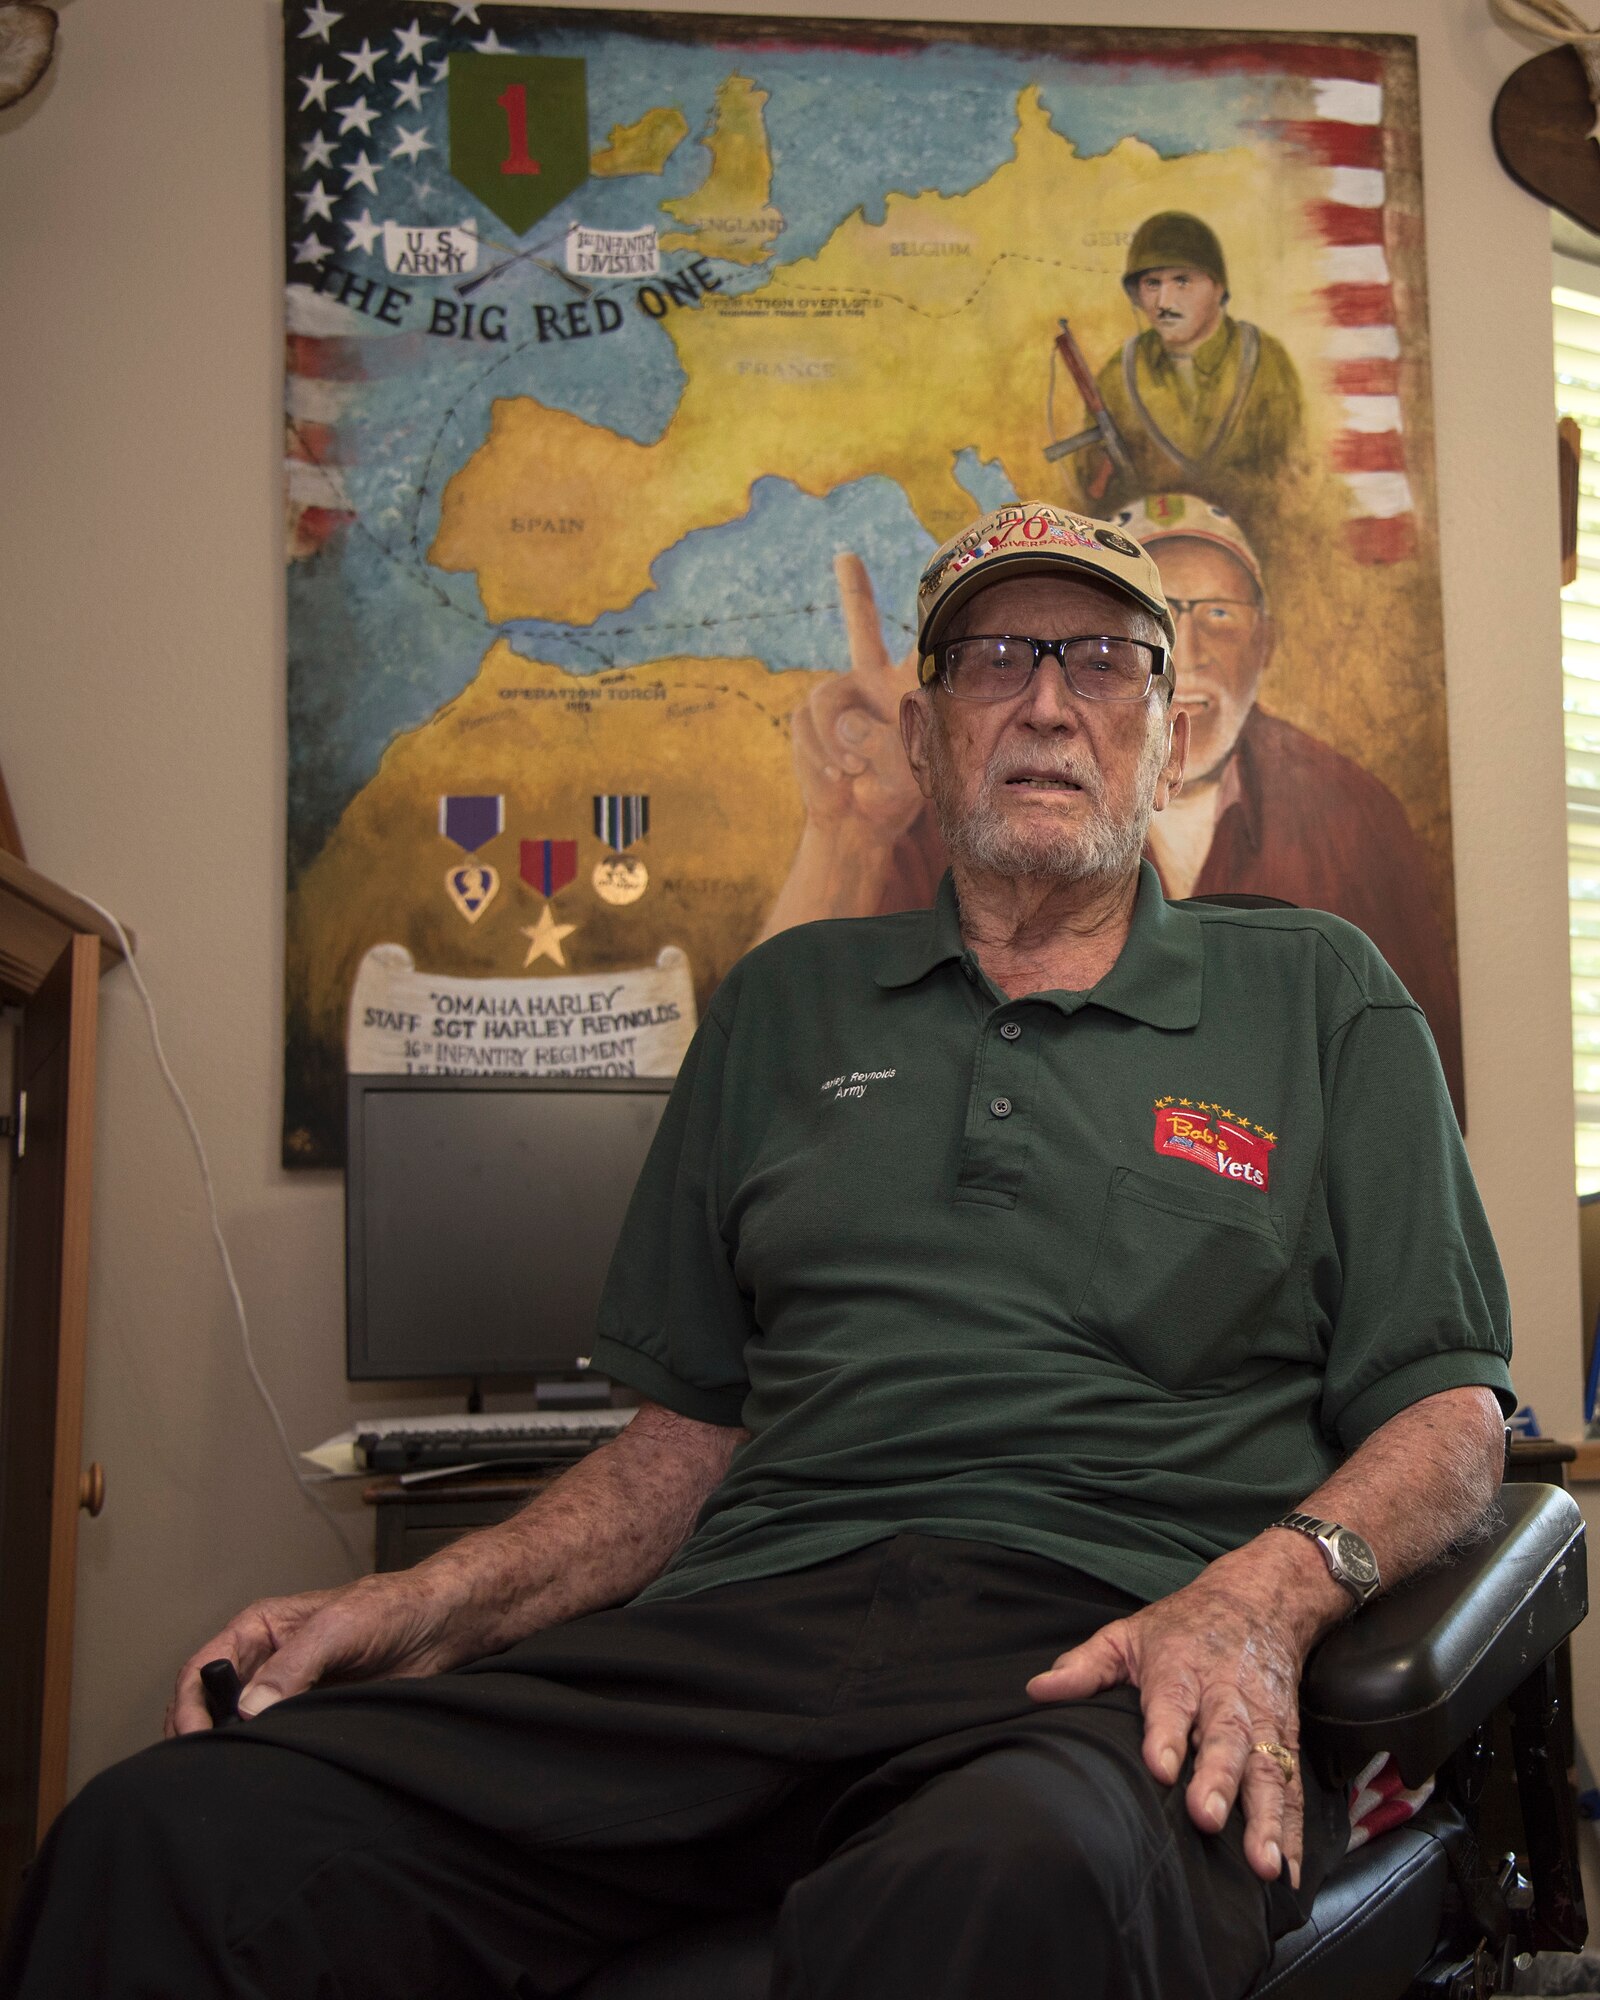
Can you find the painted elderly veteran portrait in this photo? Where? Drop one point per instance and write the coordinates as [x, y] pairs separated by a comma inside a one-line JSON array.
[[1265, 807], [1031, 1372]]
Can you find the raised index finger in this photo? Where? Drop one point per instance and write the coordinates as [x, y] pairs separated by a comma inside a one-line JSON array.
[[862, 628]]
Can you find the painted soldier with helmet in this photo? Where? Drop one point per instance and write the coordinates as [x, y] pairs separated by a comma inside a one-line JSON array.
[[1201, 400]]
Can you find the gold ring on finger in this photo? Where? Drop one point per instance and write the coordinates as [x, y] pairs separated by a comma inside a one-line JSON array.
[[1281, 1755]]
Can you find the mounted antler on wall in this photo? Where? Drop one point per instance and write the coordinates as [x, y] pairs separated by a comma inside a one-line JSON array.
[[1546, 129], [27, 42], [1547, 117]]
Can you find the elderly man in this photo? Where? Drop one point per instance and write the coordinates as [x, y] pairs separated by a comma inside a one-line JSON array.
[[1201, 399], [1056, 1310], [1265, 807]]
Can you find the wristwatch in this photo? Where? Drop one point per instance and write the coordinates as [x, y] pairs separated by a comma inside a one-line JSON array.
[[1350, 1561]]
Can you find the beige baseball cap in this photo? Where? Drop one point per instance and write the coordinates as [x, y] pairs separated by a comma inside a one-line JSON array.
[[1032, 535], [1160, 517]]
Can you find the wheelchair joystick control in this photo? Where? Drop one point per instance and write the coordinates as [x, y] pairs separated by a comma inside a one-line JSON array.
[[220, 1682]]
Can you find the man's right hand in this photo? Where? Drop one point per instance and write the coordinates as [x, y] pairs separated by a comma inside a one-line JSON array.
[[593, 1537], [848, 755], [379, 1628], [869, 842]]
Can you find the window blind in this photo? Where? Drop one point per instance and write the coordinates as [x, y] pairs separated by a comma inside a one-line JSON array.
[[1577, 362]]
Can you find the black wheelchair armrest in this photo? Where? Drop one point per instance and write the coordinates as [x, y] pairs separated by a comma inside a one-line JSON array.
[[1419, 1670]]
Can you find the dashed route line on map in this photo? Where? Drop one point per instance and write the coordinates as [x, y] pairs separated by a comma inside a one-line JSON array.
[[453, 411], [799, 291], [605, 661], [417, 567], [899, 298], [729, 618], [925, 313], [418, 573]]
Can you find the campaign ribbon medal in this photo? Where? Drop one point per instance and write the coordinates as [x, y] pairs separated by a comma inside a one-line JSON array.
[[471, 819], [621, 818], [1212, 1136], [548, 866]]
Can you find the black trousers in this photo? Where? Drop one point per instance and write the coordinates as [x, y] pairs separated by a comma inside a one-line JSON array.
[[852, 1741]]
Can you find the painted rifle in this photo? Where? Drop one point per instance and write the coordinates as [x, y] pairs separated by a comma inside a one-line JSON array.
[[1102, 429]]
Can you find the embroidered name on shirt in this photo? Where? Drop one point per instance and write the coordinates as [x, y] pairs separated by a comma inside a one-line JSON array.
[[855, 1083], [1222, 1141]]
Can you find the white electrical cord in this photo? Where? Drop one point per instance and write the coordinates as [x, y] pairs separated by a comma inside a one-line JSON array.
[[306, 1482]]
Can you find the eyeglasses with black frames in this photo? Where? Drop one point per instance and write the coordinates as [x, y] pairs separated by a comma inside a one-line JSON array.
[[998, 667]]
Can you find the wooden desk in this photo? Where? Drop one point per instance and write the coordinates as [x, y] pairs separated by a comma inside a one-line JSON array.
[[1547, 1460], [417, 1521], [1584, 1469]]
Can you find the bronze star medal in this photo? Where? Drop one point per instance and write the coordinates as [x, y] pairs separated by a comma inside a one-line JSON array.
[[544, 938]]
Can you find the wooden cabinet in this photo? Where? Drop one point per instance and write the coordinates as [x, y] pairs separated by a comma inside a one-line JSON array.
[[417, 1521], [53, 949]]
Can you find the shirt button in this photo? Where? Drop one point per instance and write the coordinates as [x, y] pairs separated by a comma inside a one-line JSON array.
[[1010, 1029], [1000, 1106]]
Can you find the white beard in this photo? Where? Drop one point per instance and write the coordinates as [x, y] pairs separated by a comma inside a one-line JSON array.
[[1098, 847]]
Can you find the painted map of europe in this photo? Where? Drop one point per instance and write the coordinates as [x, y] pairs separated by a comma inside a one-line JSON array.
[[638, 362]]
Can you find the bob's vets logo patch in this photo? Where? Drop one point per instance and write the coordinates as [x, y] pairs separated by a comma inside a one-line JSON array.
[[1222, 1141]]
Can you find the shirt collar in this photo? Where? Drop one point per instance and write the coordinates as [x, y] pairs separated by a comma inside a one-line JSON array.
[[1156, 978], [1208, 357], [934, 939]]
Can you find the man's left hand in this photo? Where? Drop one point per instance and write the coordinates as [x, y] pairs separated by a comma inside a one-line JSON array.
[[1216, 1664]]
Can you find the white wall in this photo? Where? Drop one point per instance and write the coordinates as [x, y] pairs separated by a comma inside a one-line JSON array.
[[142, 735]]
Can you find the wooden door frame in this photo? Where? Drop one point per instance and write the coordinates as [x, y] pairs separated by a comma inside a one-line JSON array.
[[41, 1396], [53, 949], [71, 1368]]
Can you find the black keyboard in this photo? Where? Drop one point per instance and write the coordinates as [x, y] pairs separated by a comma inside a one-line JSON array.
[[537, 1437]]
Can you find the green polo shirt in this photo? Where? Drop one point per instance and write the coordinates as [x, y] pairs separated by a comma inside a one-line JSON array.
[[1115, 1277]]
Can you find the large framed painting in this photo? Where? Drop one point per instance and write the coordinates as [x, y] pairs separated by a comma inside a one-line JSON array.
[[637, 364]]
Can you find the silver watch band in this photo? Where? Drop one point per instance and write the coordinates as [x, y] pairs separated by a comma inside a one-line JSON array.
[[1350, 1560]]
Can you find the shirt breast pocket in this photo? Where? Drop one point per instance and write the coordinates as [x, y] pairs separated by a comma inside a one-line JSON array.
[[1182, 1279]]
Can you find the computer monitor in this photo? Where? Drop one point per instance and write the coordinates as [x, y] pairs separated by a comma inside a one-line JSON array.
[[480, 1218]]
